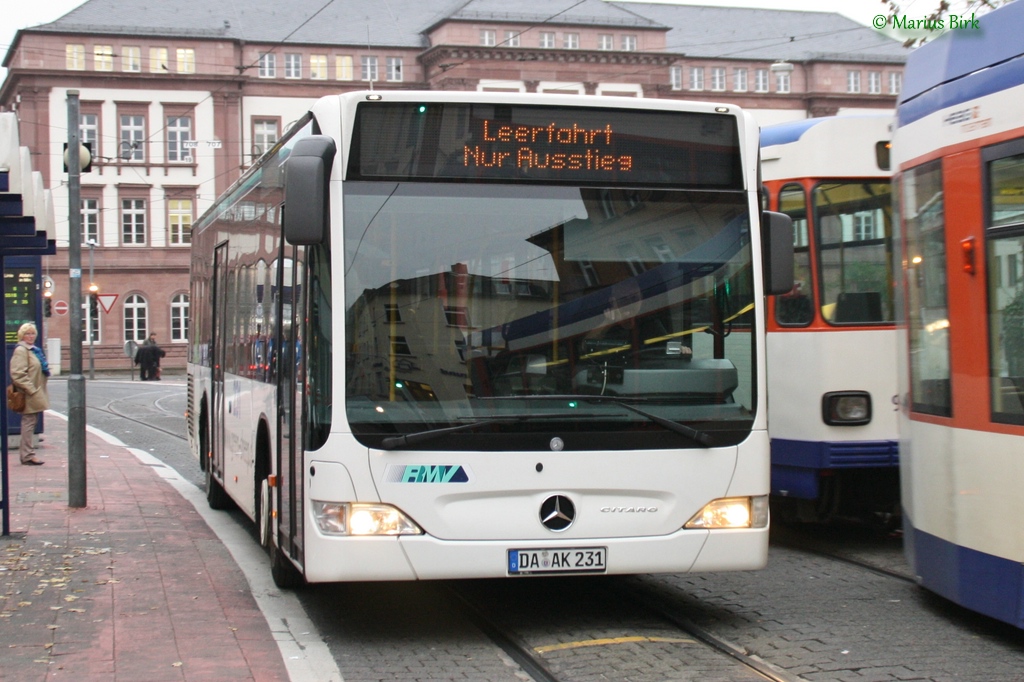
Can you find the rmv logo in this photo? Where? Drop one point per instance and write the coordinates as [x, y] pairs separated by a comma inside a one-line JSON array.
[[440, 473]]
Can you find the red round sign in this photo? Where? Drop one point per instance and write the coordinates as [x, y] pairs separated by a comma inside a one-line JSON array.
[[60, 307]]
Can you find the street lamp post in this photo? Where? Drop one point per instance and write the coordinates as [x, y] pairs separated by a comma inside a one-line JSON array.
[[93, 290]]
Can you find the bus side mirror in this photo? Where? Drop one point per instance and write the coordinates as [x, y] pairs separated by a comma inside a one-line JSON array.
[[306, 190], [777, 238]]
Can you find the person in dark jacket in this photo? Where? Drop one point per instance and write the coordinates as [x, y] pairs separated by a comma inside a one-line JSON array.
[[147, 357]]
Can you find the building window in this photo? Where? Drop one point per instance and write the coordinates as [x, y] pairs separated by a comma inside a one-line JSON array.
[[343, 67], [853, 81], [895, 83], [696, 77], [179, 318], [547, 39], [761, 80], [131, 59], [133, 137], [89, 131], [90, 220], [265, 135], [293, 65], [512, 38], [874, 83], [739, 80], [718, 78], [571, 41], [186, 60], [158, 60], [487, 37], [133, 221], [135, 318], [74, 58], [103, 58], [179, 132], [400, 346], [394, 69], [318, 67], [179, 221], [606, 41], [675, 75], [268, 65], [629, 43], [392, 313], [368, 68], [782, 82]]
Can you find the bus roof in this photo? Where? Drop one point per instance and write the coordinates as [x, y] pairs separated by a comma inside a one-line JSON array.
[[949, 70]]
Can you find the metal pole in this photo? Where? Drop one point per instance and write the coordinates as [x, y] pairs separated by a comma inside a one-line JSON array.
[[76, 382], [92, 332]]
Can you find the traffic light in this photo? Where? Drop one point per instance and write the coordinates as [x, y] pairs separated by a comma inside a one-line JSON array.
[[94, 304], [47, 296]]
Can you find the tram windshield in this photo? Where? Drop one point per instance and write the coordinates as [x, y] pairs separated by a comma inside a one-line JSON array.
[[494, 316]]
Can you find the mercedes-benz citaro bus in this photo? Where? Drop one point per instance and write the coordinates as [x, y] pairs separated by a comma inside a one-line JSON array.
[[466, 335]]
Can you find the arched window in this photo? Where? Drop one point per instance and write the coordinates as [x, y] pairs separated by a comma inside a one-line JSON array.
[[179, 318], [136, 318]]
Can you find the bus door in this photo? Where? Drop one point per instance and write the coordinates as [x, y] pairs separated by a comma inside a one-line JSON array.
[[291, 391], [219, 355]]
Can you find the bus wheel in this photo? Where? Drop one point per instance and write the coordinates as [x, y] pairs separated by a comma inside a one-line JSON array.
[[215, 495], [283, 571], [263, 512]]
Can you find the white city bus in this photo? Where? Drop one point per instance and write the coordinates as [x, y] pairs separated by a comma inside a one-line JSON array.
[[455, 335]]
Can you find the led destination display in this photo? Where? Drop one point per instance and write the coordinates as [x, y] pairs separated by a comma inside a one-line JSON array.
[[576, 145]]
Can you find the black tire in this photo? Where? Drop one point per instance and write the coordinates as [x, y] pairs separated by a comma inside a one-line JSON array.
[[263, 507], [215, 494], [283, 571]]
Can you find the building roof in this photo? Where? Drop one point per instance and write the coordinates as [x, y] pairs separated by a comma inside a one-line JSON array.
[[747, 33], [397, 23], [697, 31], [564, 12]]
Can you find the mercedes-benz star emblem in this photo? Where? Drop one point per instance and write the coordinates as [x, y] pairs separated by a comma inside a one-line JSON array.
[[556, 444], [557, 513]]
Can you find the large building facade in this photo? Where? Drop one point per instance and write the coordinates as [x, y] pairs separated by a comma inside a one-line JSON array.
[[179, 97]]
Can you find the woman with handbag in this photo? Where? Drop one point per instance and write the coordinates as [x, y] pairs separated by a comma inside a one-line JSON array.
[[29, 372]]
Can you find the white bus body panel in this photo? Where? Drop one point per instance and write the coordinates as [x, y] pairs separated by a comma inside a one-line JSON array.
[[632, 503]]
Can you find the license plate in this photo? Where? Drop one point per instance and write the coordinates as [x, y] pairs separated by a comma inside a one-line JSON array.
[[564, 560]]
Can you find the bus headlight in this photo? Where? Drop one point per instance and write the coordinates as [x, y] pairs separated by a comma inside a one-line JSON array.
[[361, 518], [732, 512], [846, 408]]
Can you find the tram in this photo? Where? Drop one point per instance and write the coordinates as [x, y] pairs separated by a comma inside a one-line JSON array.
[[959, 157], [832, 339], [455, 335]]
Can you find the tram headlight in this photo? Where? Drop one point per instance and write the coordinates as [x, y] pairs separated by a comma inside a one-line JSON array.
[[846, 408], [362, 518], [732, 512]]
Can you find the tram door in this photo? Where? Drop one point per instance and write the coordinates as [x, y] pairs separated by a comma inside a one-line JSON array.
[[219, 355], [291, 394]]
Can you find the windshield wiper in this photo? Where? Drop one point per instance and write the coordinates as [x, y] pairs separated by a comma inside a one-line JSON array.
[[701, 437], [395, 442]]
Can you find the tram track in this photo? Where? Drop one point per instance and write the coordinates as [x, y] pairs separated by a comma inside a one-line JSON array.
[[647, 608], [109, 409]]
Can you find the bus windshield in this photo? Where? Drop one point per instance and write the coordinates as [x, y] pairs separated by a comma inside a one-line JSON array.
[[497, 315]]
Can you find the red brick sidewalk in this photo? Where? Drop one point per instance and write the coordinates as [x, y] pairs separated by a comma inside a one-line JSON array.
[[133, 587]]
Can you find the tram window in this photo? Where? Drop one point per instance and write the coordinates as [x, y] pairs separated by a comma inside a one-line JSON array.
[[853, 226], [797, 307], [923, 210], [1005, 266]]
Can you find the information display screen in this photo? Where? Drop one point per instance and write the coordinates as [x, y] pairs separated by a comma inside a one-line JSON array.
[[544, 144], [19, 300]]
